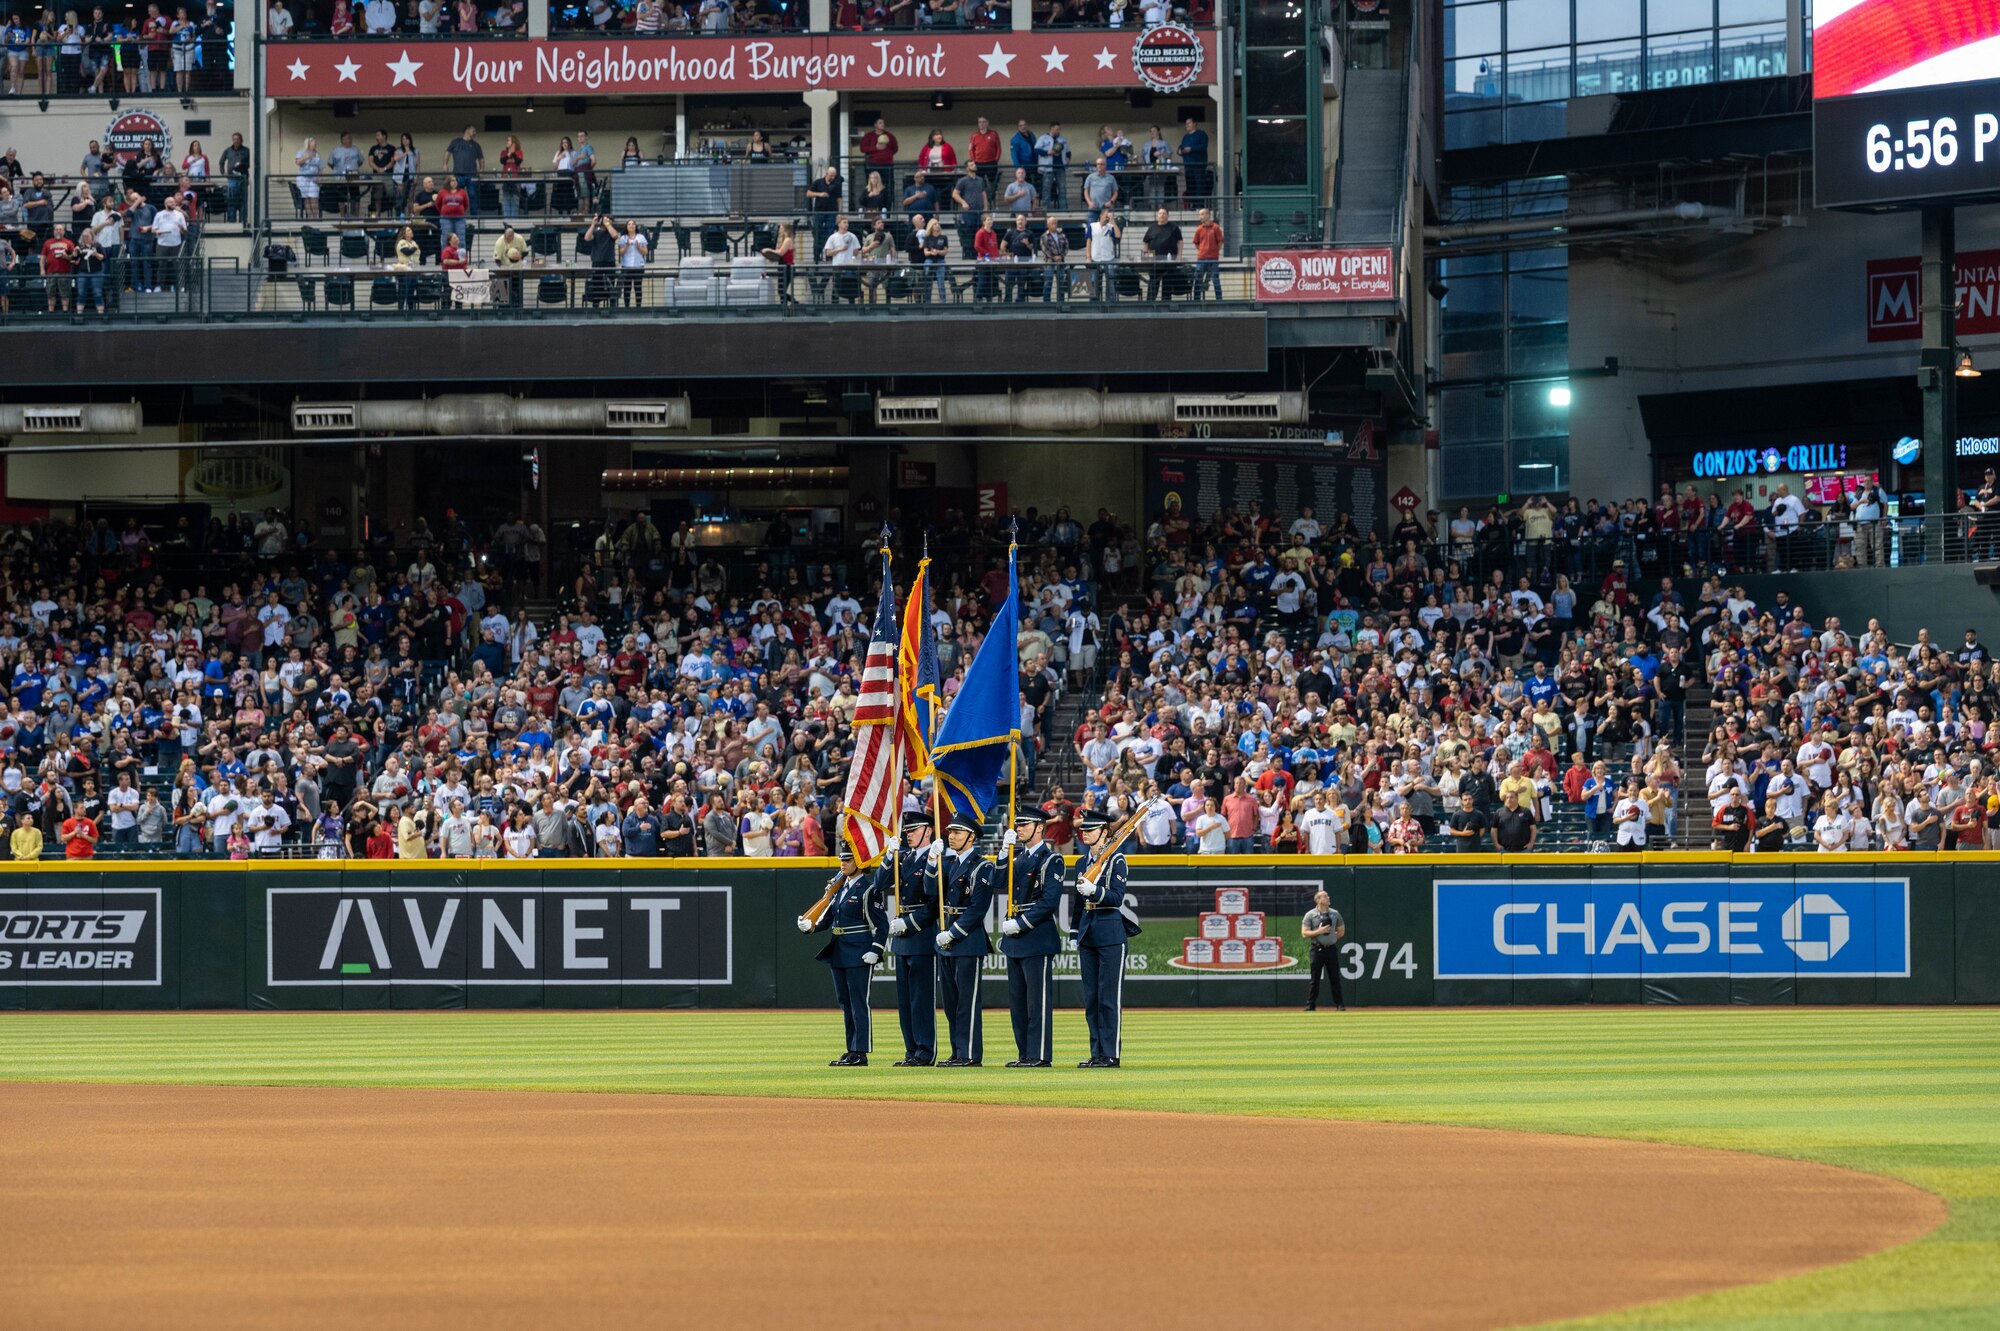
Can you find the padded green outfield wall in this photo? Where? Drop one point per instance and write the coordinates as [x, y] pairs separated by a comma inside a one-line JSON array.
[[1659, 928]]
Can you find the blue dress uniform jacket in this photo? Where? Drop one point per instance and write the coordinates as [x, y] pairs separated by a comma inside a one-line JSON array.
[[1038, 890], [858, 922], [1098, 922], [857, 919], [920, 905], [966, 894]]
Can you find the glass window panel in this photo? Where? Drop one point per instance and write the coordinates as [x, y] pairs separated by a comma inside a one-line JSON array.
[[1680, 61], [1538, 349], [1601, 20], [1679, 15], [1472, 302], [1537, 122], [1275, 22], [1749, 11], [1453, 269], [1276, 152], [1538, 297], [1532, 415], [1471, 129], [1275, 83], [1538, 76], [1532, 23], [1473, 77], [1476, 473], [1472, 30], [1470, 415], [1478, 353], [1754, 52], [1528, 260], [1541, 466], [1606, 67]]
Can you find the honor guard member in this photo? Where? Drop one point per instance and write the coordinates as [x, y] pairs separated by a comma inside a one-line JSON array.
[[855, 918], [913, 942], [1030, 938], [1101, 931], [965, 894]]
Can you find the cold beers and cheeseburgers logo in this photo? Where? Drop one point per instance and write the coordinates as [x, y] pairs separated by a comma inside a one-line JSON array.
[[1277, 274], [58, 936], [1167, 58], [133, 130]]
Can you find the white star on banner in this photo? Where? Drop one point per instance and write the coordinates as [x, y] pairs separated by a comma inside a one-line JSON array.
[[299, 69], [997, 62], [1055, 60], [346, 69], [405, 69], [1105, 59]]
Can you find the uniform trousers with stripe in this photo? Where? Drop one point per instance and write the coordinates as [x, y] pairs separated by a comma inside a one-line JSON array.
[[1030, 996], [916, 1005], [959, 982], [1103, 973], [850, 990]]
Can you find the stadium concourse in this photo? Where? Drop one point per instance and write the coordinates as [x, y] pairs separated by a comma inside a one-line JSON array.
[[1269, 682]]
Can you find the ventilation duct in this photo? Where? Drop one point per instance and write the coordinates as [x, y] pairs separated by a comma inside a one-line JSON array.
[[1080, 410], [488, 414], [71, 418]]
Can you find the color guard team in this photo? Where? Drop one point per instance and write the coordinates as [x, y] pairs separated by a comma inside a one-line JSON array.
[[928, 910]]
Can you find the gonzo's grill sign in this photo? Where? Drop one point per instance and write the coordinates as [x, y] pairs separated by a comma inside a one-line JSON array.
[[62, 936], [478, 935]]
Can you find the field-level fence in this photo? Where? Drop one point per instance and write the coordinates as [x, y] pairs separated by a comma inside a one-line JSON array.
[[1469, 929]]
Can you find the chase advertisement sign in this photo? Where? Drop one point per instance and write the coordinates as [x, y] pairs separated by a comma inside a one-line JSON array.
[[478, 935], [1687, 928], [59, 936]]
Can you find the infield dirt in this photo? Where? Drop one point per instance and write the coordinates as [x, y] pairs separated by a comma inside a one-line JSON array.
[[221, 1207]]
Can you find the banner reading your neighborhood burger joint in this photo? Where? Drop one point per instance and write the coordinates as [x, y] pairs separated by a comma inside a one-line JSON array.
[[1166, 59]]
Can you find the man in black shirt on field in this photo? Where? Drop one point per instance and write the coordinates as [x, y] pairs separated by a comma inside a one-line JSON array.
[[1468, 825], [1163, 247], [1513, 827]]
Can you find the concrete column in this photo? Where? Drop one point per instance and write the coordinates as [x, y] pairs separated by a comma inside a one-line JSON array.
[[680, 124], [819, 15], [1024, 15], [822, 102], [1935, 379], [538, 21]]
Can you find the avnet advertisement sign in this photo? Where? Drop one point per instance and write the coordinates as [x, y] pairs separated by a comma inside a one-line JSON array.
[[55, 936], [480, 935], [1693, 927]]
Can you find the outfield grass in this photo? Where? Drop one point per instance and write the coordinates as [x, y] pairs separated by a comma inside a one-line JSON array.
[[1914, 1094]]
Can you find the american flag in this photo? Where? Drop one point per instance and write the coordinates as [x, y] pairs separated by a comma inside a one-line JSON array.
[[1879, 45], [875, 781]]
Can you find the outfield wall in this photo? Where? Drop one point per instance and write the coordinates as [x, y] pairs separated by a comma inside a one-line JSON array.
[[1486, 929]]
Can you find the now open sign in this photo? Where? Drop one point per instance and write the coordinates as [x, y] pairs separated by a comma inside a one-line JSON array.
[[1358, 273]]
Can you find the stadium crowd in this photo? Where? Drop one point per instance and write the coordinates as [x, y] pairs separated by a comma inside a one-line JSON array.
[[1244, 682]]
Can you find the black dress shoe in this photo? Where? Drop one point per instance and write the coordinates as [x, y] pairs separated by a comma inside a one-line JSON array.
[[1110, 1063], [901, 1063], [1091, 1063], [1311, 1008], [956, 1063], [1340, 1007], [1038, 1063], [1020, 1063]]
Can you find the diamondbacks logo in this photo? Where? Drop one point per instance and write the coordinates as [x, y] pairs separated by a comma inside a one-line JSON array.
[[597, 934], [1167, 58], [61, 936], [131, 131]]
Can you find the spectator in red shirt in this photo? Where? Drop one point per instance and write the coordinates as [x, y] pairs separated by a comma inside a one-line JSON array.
[[878, 145], [937, 155], [452, 206], [1207, 255], [984, 152], [58, 267], [1240, 810], [79, 835], [985, 249]]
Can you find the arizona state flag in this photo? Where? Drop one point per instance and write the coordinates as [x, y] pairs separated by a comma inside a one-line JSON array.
[[917, 675]]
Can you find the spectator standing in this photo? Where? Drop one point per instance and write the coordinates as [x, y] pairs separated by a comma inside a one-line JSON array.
[[1322, 929]]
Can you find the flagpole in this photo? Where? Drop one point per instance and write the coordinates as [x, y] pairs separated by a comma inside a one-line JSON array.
[[1014, 744]]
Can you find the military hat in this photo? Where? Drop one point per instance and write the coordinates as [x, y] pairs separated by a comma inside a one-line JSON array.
[[1028, 813], [1093, 820], [843, 850], [963, 822]]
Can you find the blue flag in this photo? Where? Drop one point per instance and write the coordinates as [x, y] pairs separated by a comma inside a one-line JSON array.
[[970, 756]]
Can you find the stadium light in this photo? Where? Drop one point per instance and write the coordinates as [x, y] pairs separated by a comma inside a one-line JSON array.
[[1559, 395]]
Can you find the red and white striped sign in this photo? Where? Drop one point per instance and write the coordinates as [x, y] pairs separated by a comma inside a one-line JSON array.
[[1880, 45], [875, 782]]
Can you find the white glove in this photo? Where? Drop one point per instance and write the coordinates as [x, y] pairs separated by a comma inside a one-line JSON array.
[[898, 927], [805, 925], [870, 957], [1088, 891], [936, 851], [1010, 926], [1008, 839], [944, 940]]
